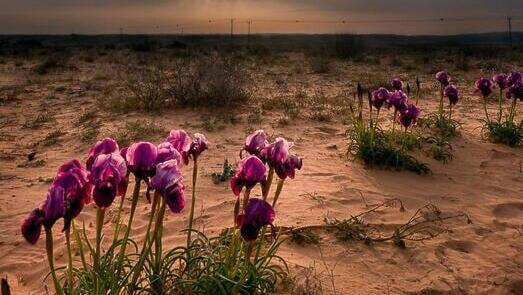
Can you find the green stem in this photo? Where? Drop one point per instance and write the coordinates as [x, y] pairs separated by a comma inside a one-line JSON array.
[[270, 176], [485, 108], [513, 109], [134, 202], [500, 106], [441, 102], [118, 216], [100, 213], [80, 245], [146, 244], [50, 259], [193, 202], [69, 261], [394, 121], [158, 231], [450, 112], [278, 192]]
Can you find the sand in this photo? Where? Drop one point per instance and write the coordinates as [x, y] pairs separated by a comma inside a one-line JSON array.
[[483, 180]]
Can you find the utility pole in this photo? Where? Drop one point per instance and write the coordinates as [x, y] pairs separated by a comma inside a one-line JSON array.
[[509, 19], [249, 22], [232, 27]]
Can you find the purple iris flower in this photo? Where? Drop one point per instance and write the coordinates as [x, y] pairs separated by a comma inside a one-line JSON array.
[[109, 178], [181, 142], [288, 168], [514, 78], [443, 78], [379, 97], [166, 152], [141, 159], [451, 92], [258, 213], [397, 84], [501, 80], [255, 142], [277, 152], [46, 215], [397, 99], [409, 115], [251, 171], [168, 183], [516, 91], [484, 86], [198, 145], [76, 188], [104, 146]]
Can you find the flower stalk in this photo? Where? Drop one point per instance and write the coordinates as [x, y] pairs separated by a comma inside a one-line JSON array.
[[193, 201], [50, 259]]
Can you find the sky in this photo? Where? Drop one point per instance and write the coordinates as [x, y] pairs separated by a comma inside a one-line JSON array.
[[409, 17]]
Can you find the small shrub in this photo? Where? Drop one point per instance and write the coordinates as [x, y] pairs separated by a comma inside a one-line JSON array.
[[52, 137], [255, 117], [226, 174], [505, 132], [37, 121], [320, 65]]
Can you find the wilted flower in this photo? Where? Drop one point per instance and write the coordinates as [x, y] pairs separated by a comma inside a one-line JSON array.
[[104, 146], [256, 142], [168, 183], [379, 97], [514, 78], [484, 86], [251, 171], [516, 91], [166, 152], [108, 176], [181, 142], [198, 145], [397, 99], [443, 78], [49, 212], [258, 213], [501, 80], [141, 159], [409, 115], [288, 168], [451, 92], [397, 84], [277, 152]]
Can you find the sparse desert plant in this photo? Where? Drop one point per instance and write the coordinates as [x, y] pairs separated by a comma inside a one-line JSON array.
[[38, 121], [138, 130], [52, 137], [148, 86], [320, 65], [226, 173]]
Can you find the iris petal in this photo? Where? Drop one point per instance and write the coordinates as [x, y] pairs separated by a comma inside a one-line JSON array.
[[32, 226]]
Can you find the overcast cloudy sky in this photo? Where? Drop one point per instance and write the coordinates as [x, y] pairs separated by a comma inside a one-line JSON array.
[[269, 16]]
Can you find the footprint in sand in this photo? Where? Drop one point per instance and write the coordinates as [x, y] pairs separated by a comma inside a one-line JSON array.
[[508, 210]]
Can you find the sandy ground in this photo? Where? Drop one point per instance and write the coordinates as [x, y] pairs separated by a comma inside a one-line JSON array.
[[484, 180]]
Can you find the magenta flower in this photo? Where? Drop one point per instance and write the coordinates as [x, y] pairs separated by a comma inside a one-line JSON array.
[[516, 91], [288, 168], [501, 80], [109, 178], [141, 159], [397, 99], [258, 213], [181, 142], [379, 97], [251, 171], [168, 183], [166, 152], [484, 86], [32, 226], [277, 152], [443, 78], [72, 178], [49, 212], [451, 92], [198, 145], [514, 78], [104, 146], [409, 115], [255, 142], [397, 84]]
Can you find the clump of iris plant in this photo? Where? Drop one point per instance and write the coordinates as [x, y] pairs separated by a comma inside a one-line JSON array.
[[125, 266], [378, 146], [503, 130]]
